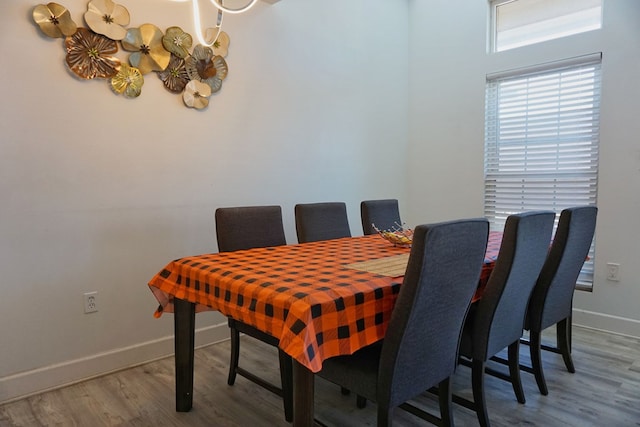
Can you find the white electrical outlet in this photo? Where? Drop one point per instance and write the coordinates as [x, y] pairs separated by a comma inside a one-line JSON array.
[[90, 302], [613, 271]]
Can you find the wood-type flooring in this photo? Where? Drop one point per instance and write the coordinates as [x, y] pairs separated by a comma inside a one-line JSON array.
[[604, 392]]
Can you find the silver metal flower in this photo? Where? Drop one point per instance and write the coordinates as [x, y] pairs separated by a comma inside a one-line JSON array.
[[221, 45], [196, 94], [202, 65]]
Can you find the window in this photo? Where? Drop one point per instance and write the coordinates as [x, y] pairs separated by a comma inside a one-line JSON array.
[[518, 23], [541, 141]]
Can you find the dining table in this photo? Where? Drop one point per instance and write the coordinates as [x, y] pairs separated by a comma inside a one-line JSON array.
[[319, 299]]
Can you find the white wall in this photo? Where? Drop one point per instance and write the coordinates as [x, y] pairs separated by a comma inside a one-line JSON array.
[[448, 65], [99, 192]]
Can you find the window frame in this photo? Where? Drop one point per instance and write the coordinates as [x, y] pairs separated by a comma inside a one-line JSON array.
[[493, 27]]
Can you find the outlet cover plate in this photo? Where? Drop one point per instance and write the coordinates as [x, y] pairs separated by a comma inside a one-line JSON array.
[[90, 302]]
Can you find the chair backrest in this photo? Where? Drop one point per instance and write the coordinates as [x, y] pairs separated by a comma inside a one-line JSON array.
[[420, 348], [321, 221], [249, 227], [384, 213], [552, 297], [499, 319]]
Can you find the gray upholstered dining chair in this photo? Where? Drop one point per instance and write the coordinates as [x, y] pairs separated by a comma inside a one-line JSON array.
[[249, 227], [420, 347], [384, 213], [496, 321], [321, 221], [552, 298]]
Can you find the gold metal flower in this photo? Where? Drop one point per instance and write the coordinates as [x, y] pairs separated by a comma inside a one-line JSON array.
[[54, 20], [129, 81], [146, 43], [177, 42], [88, 55], [175, 76], [221, 45], [107, 18], [196, 94], [202, 65]]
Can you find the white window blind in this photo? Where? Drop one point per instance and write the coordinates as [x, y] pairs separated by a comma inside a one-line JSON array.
[[541, 141]]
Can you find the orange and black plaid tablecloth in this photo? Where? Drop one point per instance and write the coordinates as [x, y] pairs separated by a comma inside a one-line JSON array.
[[305, 295]]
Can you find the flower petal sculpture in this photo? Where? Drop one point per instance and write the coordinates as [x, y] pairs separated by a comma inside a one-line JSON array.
[[88, 55], [221, 45], [196, 94], [175, 76], [202, 65], [129, 81], [146, 43], [54, 20], [177, 42], [192, 72], [107, 18]]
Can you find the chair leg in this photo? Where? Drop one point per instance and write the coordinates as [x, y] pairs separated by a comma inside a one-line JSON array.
[[514, 370], [569, 328], [361, 402], [385, 416], [564, 342], [235, 355], [286, 379], [477, 382], [444, 398], [536, 361]]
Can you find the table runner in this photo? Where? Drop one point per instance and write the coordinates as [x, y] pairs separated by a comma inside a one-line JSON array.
[[393, 266]]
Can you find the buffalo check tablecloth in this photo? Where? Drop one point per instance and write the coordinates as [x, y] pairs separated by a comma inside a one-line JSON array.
[[306, 295]]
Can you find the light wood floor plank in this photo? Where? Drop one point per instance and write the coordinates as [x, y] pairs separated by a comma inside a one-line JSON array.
[[605, 391]]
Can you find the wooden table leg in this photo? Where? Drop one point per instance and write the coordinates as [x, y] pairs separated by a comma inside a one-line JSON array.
[[303, 394], [184, 340]]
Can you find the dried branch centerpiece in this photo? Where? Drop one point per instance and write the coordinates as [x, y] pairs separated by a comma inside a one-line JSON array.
[[399, 235]]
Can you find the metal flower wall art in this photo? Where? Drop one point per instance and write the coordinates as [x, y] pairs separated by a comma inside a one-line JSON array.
[[194, 72]]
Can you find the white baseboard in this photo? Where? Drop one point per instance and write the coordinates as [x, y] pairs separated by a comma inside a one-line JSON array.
[[605, 322], [18, 386], [23, 384]]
